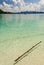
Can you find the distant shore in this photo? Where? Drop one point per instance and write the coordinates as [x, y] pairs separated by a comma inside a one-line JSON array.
[[23, 12]]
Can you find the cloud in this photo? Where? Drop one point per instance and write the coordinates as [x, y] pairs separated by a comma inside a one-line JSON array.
[[19, 2], [20, 5], [41, 2], [32, 7], [7, 7], [1, 6], [14, 1]]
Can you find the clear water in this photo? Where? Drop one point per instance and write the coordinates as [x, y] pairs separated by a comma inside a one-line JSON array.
[[18, 33]]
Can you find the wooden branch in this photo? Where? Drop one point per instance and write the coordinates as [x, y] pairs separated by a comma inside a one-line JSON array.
[[25, 54]]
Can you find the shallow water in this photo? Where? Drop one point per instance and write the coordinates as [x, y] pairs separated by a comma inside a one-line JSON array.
[[18, 33]]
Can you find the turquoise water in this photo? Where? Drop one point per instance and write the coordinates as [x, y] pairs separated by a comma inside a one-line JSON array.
[[18, 33]]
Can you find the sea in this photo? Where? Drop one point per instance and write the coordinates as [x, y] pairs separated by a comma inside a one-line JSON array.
[[18, 33]]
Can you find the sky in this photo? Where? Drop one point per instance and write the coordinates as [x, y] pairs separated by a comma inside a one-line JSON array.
[[22, 5]]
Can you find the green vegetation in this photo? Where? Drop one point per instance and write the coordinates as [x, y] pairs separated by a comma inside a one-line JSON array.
[[1, 11]]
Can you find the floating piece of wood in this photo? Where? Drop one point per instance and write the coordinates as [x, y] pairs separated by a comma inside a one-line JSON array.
[[26, 53]]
